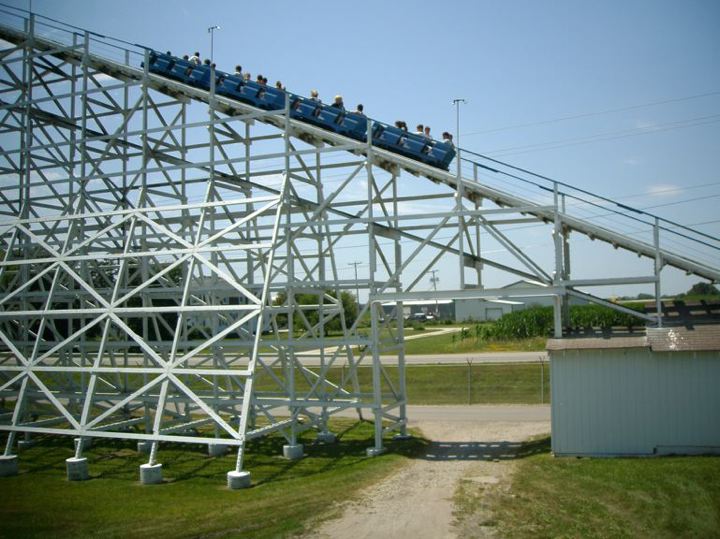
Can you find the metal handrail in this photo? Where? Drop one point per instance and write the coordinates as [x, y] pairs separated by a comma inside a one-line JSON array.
[[611, 211]]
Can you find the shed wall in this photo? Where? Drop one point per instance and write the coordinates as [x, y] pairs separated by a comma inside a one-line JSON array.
[[635, 402]]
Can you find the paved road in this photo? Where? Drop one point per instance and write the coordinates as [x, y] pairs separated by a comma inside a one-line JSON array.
[[479, 413], [477, 357], [475, 413], [448, 359]]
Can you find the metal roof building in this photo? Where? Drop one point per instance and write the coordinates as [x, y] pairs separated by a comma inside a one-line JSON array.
[[638, 395]]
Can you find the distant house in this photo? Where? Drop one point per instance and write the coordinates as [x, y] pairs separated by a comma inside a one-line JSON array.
[[442, 309], [512, 297], [531, 299], [481, 310]]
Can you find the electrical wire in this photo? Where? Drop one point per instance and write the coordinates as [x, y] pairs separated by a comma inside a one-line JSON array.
[[602, 137], [589, 114]]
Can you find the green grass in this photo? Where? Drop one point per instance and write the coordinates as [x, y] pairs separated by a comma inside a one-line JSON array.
[[508, 383], [567, 497], [194, 501], [489, 384], [452, 344]]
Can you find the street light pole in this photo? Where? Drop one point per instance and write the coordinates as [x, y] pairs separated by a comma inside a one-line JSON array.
[[211, 31], [435, 280], [459, 193]]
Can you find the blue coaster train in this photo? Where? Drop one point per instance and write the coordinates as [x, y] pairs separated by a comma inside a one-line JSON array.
[[349, 124]]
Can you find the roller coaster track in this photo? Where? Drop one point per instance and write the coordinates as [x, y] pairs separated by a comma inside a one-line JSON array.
[[471, 189], [135, 306]]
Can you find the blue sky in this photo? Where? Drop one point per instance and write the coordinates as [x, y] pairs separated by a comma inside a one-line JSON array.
[[639, 80]]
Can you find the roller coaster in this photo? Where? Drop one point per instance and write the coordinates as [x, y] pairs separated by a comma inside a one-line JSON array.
[[172, 251], [348, 124]]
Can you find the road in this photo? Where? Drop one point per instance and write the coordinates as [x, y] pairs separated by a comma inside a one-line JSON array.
[[447, 359], [475, 357], [419, 415], [506, 413]]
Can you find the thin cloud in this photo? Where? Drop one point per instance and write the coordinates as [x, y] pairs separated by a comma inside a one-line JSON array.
[[664, 190]]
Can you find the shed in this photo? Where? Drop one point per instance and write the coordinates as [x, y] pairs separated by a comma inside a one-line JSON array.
[[638, 395], [482, 309]]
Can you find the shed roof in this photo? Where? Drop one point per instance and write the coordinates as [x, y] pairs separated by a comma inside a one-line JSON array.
[[680, 338], [675, 339]]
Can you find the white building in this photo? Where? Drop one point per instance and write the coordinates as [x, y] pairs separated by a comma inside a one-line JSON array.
[[637, 395], [480, 310]]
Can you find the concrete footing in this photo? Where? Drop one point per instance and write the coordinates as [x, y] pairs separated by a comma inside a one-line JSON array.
[[25, 444], [374, 451], [293, 452], [238, 480], [326, 437], [151, 474], [8, 465], [87, 443], [402, 437], [217, 450], [77, 469], [144, 447]]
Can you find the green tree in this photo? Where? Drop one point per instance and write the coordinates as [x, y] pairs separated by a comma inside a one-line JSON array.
[[703, 289], [348, 301]]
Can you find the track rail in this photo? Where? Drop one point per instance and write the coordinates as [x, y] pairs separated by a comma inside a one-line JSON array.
[[471, 189]]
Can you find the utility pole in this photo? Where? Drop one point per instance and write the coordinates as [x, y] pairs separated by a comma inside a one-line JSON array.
[[211, 31], [435, 280], [459, 192], [357, 287]]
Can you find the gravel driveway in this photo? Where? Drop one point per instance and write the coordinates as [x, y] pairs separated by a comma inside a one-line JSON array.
[[471, 443]]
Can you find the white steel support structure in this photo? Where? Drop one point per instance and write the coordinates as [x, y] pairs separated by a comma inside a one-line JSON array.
[[172, 261]]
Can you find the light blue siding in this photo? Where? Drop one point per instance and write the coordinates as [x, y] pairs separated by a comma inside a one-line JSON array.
[[635, 402]]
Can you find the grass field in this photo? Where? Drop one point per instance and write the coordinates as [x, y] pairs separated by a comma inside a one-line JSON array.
[[194, 501], [489, 384], [621, 497], [509, 383], [452, 344]]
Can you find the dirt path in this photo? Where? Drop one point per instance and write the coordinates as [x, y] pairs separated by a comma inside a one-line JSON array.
[[416, 502]]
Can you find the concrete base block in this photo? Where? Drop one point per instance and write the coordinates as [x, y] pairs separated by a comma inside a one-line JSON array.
[[25, 444], [144, 447], [326, 437], [238, 480], [374, 451], [402, 437], [151, 474], [8, 465], [217, 450], [77, 469], [293, 452], [87, 443]]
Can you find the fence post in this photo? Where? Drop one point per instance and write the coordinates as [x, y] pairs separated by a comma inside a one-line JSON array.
[[542, 380], [469, 377]]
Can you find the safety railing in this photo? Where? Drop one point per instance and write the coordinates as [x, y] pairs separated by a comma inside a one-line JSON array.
[[597, 210]]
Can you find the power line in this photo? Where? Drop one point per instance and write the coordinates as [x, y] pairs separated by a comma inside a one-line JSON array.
[[577, 190], [588, 114], [610, 135], [678, 190], [357, 286]]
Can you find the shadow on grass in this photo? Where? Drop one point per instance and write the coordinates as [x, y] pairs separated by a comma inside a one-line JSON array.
[[440, 451], [118, 459]]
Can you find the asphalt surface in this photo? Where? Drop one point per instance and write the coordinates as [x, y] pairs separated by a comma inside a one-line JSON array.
[[479, 357], [474, 413], [445, 359], [507, 413]]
